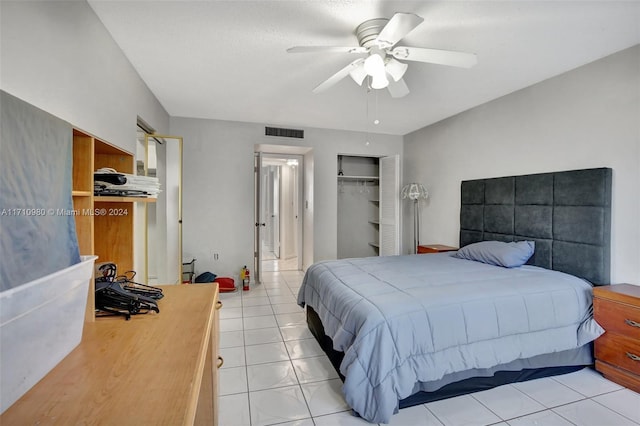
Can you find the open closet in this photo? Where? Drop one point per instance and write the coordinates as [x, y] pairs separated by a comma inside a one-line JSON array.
[[368, 206]]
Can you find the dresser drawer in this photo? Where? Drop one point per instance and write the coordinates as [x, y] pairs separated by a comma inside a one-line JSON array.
[[617, 317], [619, 351]]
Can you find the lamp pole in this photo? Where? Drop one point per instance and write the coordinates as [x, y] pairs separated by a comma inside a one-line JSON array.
[[416, 225]]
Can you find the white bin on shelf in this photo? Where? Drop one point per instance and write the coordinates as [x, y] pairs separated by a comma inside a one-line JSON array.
[[40, 323]]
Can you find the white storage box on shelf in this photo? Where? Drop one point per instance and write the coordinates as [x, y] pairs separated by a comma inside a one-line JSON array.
[[40, 323]]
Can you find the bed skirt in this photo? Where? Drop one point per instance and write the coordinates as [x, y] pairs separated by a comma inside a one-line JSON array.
[[475, 380]]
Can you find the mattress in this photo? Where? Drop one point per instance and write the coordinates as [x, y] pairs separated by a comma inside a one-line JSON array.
[[402, 321]]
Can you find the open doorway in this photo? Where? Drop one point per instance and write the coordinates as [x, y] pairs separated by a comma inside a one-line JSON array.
[[289, 243], [281, 212]]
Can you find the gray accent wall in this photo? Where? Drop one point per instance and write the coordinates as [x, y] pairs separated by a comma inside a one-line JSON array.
[[585, 118]]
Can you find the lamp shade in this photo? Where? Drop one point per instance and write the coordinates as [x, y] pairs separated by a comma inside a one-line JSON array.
[[415, 191], [374, 65], [358, 74], [395, 69], [379, 81]]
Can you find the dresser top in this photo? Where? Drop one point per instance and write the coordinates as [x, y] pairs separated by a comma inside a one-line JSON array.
[[626, 293], [143, 371]]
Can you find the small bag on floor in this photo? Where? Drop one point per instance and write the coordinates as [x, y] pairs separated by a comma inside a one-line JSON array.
[[226, 284]]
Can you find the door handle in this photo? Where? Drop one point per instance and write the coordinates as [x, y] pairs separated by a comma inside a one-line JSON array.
[[261, 224]]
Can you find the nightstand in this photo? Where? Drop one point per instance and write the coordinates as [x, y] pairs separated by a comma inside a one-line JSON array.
[[617, 309], [434, 248]]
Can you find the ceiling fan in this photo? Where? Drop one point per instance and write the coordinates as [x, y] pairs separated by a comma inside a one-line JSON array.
[[377, 38]]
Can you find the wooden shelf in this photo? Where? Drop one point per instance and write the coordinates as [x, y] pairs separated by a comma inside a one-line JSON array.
[[111, 199], [107, 231]]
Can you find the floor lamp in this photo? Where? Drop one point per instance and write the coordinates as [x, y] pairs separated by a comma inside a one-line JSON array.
[[415, 192]]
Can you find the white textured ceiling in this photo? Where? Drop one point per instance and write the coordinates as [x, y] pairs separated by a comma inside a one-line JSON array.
[[227, 60]]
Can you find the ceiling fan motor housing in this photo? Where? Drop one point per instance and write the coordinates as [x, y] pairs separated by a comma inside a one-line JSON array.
[[368, 31]]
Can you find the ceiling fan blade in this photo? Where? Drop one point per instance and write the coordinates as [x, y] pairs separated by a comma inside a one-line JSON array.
[[398, 26], [337, 76], [397, 89], [435, 56], [327, 49]]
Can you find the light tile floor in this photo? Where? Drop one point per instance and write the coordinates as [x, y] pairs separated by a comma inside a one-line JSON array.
[[274, 372], [270, 263]]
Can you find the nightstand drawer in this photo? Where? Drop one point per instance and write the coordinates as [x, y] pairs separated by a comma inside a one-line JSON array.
[[619, 351], [617, 317]]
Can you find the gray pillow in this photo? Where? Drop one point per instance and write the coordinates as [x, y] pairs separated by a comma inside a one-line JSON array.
[[509, 255]]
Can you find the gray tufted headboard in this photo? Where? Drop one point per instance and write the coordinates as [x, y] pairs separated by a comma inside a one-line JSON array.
[[567, 214]]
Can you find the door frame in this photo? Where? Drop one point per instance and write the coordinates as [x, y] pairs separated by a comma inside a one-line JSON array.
[[179, 140], [277, 152]]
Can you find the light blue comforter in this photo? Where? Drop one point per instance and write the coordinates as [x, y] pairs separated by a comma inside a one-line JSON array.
[[407, 319]]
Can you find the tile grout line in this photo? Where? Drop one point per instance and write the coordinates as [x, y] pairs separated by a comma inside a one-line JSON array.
[[246, 369], [289, 360], [611, 409]]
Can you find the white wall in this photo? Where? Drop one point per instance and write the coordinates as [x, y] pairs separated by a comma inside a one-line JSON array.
[[588, 117], [218, 187], [58, 56]]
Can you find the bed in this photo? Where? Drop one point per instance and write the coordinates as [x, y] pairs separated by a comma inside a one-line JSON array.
[[403, 330]]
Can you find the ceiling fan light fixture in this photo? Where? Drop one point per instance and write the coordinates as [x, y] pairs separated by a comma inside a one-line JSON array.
[[396, 69], [378, 38], [358, 74], [374, 65], [379, 81]]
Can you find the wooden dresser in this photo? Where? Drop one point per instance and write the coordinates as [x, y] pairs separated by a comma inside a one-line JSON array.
[[156, 369], [617, 310]]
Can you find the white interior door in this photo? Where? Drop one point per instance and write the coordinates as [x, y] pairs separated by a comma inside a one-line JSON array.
[[258, 217], [389, 205], [275, 213]]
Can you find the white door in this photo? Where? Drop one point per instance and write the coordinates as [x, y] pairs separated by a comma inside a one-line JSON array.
[[275, 212], [389, 206], [258, 216]]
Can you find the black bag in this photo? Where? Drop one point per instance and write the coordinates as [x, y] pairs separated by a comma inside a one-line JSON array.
[[206, 277]]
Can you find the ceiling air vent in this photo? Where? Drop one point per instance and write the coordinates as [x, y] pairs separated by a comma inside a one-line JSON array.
[[284, 133]]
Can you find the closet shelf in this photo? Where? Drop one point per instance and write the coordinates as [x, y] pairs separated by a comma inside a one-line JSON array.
[[367, 178], [81, 193]]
